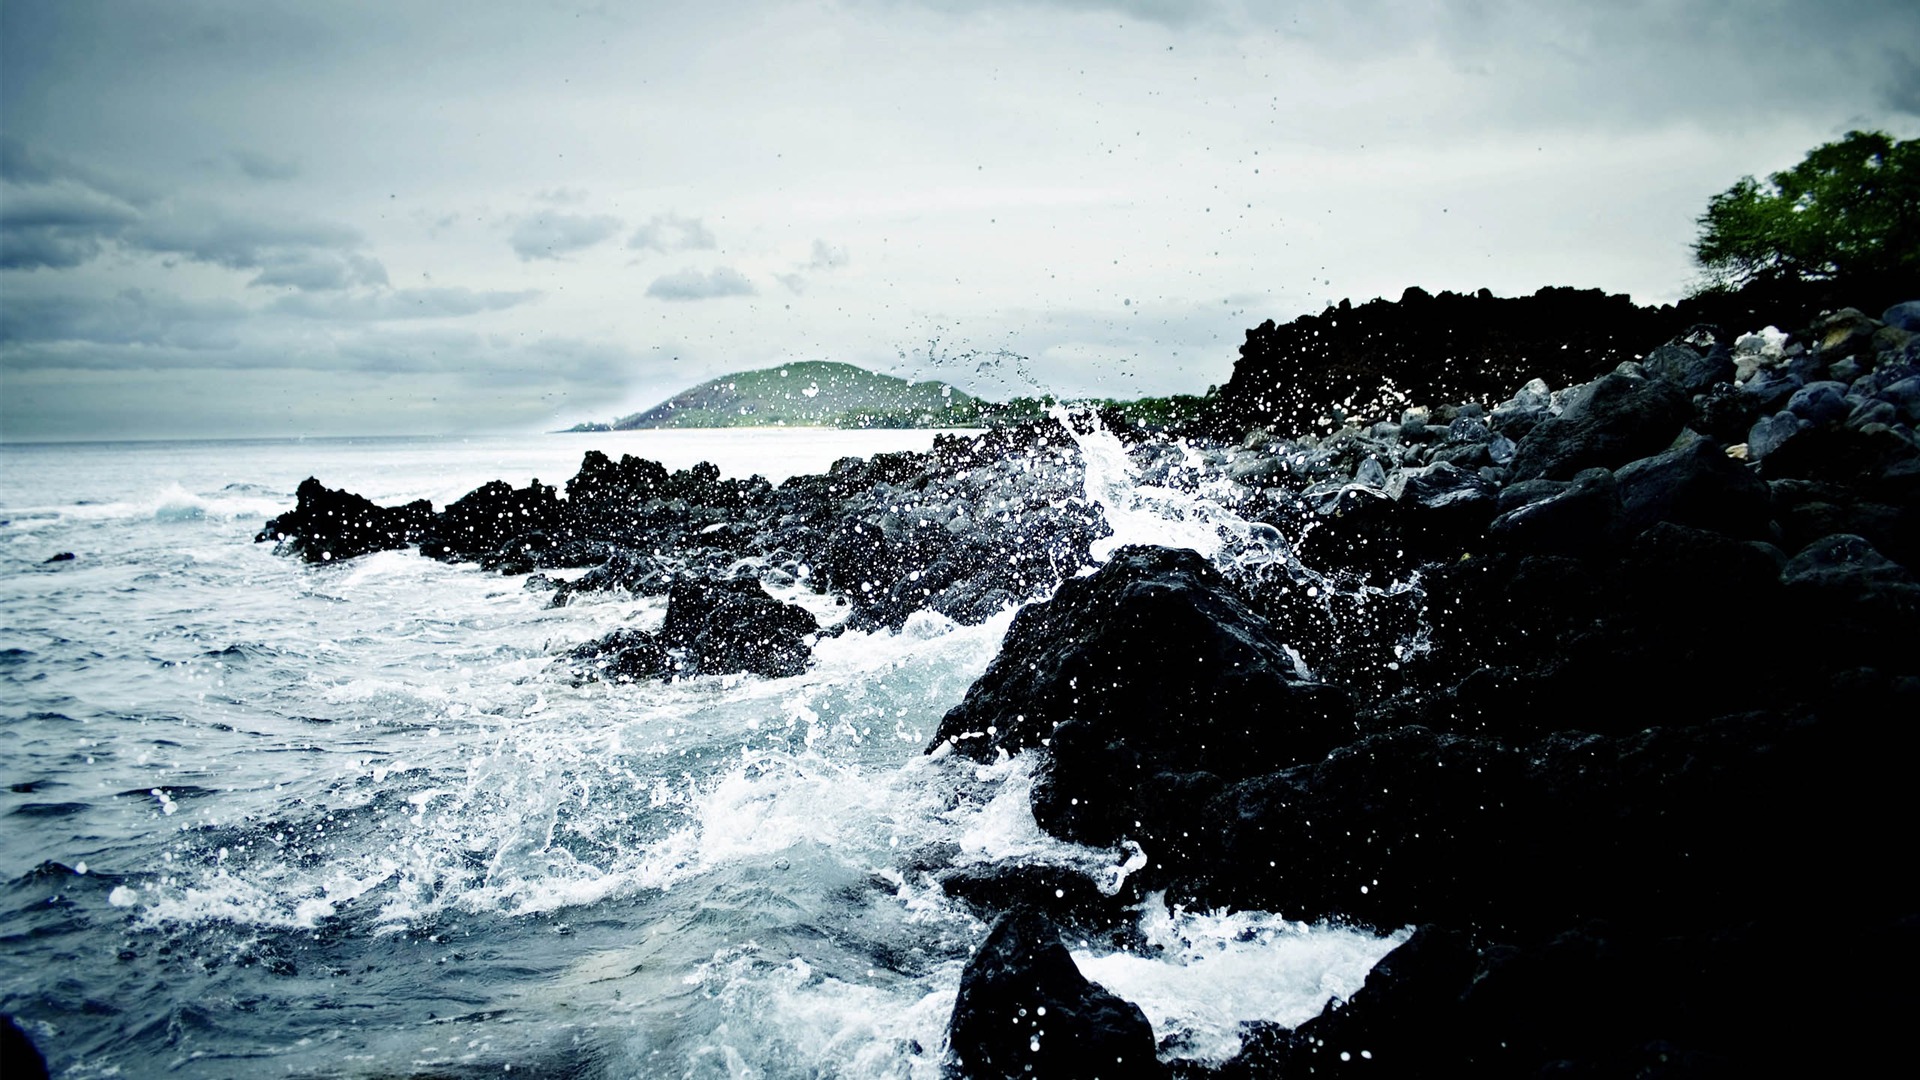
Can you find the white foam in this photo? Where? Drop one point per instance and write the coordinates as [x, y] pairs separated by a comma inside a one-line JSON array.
[[789, 1018], [1201, 520], [1213, 972]]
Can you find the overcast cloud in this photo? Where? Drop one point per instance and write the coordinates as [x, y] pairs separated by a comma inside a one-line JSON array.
[[232, 217]]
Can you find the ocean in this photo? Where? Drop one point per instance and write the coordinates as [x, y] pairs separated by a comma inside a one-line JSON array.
[[266, 818]]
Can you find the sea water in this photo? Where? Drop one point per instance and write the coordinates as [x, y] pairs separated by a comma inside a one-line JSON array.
[[265, 818]]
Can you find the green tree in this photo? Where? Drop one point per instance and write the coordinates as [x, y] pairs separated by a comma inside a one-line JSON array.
[[1849, 211]]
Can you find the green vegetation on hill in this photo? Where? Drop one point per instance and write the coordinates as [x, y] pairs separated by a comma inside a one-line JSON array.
[[826, 394], [813, 393]]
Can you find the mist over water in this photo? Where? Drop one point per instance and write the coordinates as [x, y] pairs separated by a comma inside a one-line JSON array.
[[354, 819]]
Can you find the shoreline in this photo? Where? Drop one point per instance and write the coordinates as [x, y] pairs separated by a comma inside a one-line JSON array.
[[1419, 649]]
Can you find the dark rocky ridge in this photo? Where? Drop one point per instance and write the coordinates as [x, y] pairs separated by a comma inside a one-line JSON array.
[[1636, 722], [965, 530], [1366, 361]]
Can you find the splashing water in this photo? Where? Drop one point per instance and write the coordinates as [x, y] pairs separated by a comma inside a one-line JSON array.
[[352, 820]]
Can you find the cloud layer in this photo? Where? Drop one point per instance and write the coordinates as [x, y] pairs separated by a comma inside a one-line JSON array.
[[574, 205]]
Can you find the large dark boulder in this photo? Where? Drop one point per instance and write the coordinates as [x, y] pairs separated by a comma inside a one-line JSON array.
[[713, 627], [1591, 1001], [733, 625], [1688, 369], [327, 525], [1550, 517], [1152, 681], [1427, 513], [1024, 1012], [1069, 897], [1607, 423], [1407, 1015], [1407, 826], [1697, 485]]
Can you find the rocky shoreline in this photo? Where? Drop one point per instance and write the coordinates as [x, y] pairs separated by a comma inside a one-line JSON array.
[[1607, 686]]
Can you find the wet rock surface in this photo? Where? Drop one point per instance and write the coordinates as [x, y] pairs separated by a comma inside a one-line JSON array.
[[1652, 673], [1153, 681], [326, 525], [1025, 1010]]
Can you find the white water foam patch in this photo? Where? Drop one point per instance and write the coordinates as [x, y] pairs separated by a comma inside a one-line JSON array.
[[1204, 521], [788, 1019], [165, 504], [486, 791], [1201, 520], [265, 897], [1143, 513], [1001, 829], [771, 802], [1213, 972]]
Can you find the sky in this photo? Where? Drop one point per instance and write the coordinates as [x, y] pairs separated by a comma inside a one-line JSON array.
[[238, 218]]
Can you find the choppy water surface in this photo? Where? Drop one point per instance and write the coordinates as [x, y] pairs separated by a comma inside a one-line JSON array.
[[261, 817]]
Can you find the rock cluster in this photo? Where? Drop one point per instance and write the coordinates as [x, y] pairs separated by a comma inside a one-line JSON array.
[[967, 529], [1605, 688]]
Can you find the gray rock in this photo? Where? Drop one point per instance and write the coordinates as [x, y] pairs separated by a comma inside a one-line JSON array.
[[1768, 391], [1905, 396], [1872, 411], [1843, 333], [1439, 486], [1611, 421], [1903, 316], [1691, 371], [1256, 468], [1500, 449], [1823, 402], [1848, 370], [1843, 560], [1697, 486], [1769, 433], [1468, 429], [1578, 519], [1371, 473]]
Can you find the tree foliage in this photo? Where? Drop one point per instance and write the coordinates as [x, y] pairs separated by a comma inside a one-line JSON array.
[[1849, 211]]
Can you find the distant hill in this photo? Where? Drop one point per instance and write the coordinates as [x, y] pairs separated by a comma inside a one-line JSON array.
[[815, 393]]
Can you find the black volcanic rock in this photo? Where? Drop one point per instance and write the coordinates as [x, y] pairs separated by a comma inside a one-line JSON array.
[[625, 655], [1688, 369], [326, 525], [1153, 683], [486, 518], [733, 625], [1607, 423], [1070, 897], [717, 627], [1025, 1011], [17, 1052], [1592, 1001], [1574, 517], [1696, 485], [1449, 347]]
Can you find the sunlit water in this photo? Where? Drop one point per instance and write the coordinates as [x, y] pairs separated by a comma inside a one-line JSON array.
[[268, 818]]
